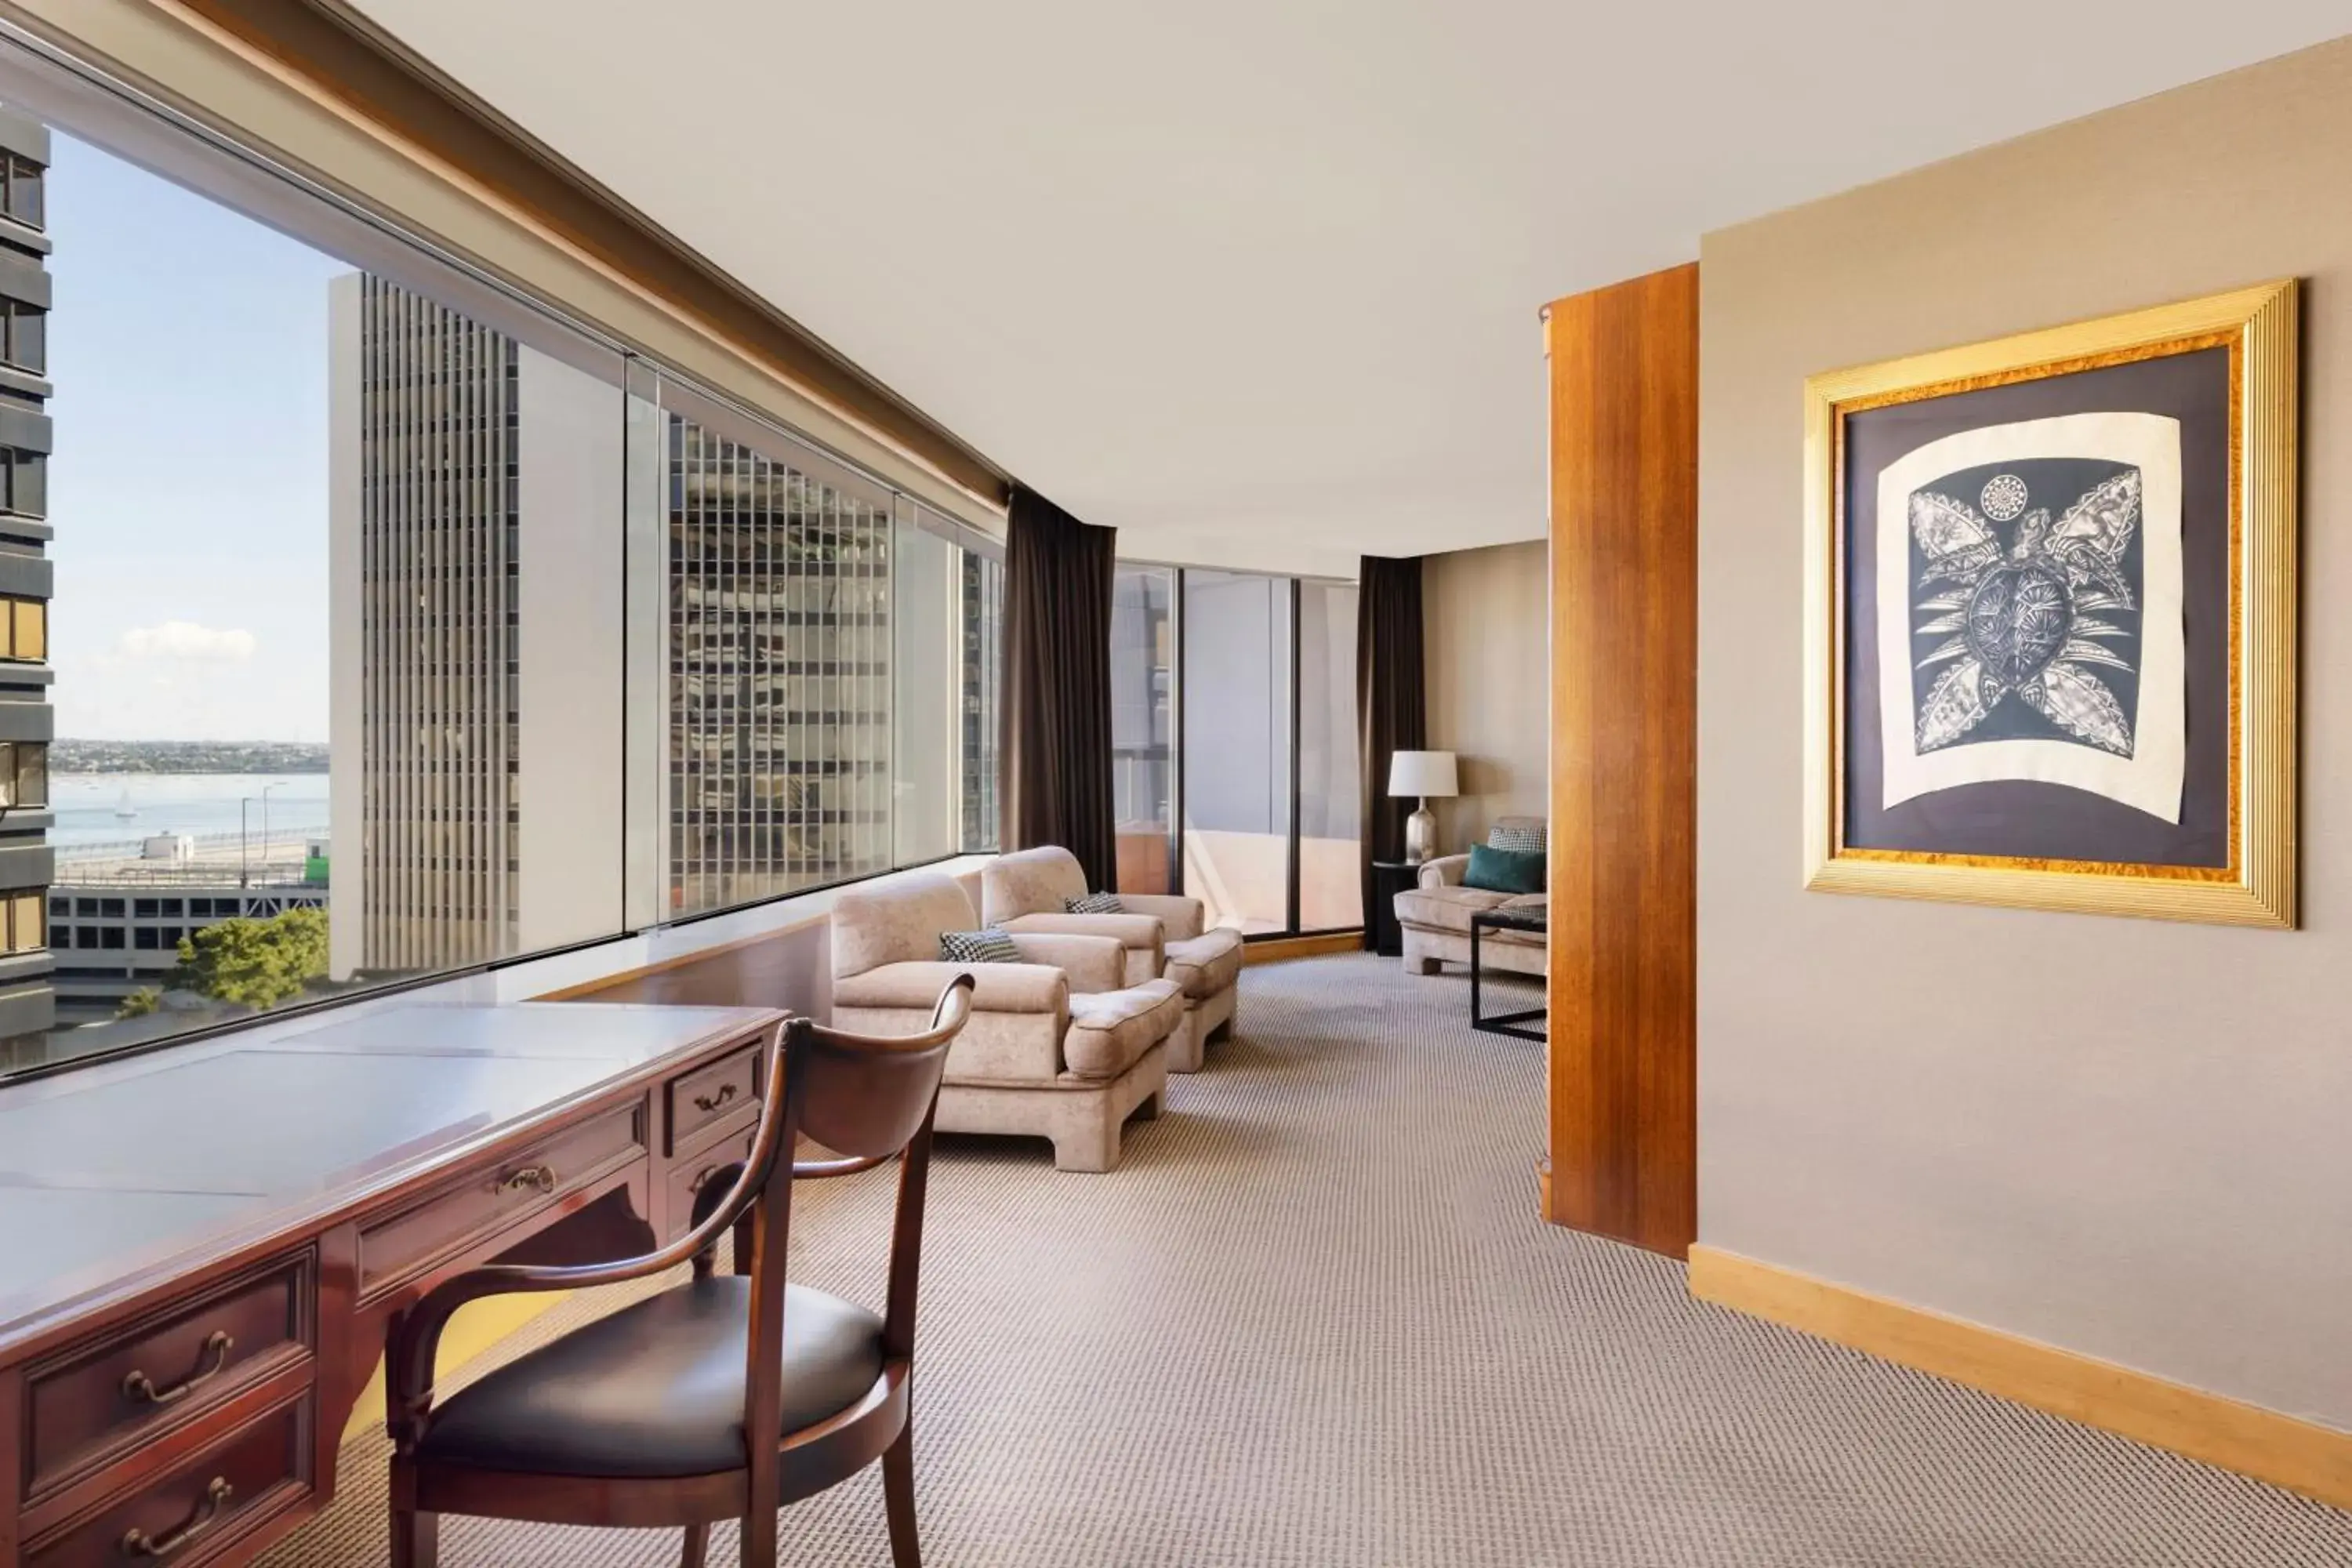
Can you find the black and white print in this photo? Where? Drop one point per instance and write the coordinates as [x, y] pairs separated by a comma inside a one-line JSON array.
[[2029, 582], [2026, 608]]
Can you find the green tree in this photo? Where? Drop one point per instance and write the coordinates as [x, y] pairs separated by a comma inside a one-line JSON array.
[[138, 1003], [254, 963]]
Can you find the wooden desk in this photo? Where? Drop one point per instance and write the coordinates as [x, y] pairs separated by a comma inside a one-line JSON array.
[[201, 1248]]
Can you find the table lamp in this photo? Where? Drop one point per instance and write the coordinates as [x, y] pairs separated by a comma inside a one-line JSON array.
[[1423, 775]]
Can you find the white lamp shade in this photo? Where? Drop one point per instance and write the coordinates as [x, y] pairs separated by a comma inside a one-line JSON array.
[[1422, 774]]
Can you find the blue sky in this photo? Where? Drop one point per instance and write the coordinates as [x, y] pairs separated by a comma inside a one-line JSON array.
[[188, 346]]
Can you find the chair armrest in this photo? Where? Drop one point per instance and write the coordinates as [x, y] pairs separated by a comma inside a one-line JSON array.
[[1445, 871], [996, 987], [1093, 963], [1183, 916]]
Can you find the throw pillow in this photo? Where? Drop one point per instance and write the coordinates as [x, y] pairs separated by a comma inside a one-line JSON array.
[[1095, 904], [1505, 870], [991, 946], [1521, 838]]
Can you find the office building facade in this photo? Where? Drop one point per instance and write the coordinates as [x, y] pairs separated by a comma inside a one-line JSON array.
[[27, 996]]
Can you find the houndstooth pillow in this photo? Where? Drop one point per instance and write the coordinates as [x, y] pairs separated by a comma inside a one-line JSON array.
[[991, 946], [1519, 839], [1095, 904]]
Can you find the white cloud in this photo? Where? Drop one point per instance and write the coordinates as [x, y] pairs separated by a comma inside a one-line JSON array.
[[186, 640]]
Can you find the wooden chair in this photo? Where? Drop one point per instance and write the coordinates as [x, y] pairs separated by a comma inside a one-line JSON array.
[[724, 1396]]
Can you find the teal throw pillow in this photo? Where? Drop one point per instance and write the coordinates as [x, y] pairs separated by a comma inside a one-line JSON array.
[[1505, 870]]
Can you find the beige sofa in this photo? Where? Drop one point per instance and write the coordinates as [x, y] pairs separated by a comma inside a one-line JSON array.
[[1433, 918], [1161, 935], [1058, 1046]]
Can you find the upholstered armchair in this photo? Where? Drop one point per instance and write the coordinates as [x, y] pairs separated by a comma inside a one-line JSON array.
[[1433, 918], [1160, 934], [1058, 1046]]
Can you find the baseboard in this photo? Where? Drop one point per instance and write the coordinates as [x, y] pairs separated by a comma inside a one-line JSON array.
[[1302, 946], [2283, 1450]]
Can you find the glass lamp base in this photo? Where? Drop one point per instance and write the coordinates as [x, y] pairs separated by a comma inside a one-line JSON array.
[[1420, 836]]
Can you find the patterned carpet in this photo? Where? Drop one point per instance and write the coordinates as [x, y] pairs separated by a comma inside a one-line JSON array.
[[1313, 1319]]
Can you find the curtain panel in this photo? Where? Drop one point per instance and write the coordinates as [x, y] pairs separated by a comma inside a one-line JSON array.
[[1054, 738], [1391, 704]]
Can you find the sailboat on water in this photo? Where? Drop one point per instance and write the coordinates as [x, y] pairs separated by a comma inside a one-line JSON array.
[[123, 810]]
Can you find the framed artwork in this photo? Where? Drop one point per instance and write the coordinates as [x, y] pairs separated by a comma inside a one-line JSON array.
[[2050, 618]]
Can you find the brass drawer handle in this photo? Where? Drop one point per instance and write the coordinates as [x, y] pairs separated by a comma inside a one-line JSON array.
[[139, 1545], [533, 1178], [139, 1387], [713, 1101]]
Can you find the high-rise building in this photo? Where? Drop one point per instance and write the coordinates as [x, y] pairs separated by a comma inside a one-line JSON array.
[[27, 998], [465, 612], [427, 539], [780, 644]]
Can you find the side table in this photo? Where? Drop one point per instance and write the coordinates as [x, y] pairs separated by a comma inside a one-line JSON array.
[[1526, 917], [1389, 877]]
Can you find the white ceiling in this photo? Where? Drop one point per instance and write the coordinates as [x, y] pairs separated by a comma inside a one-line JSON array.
[[1256, 281]]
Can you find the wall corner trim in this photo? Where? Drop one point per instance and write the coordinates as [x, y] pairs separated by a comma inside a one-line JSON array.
[[2283, 1451]]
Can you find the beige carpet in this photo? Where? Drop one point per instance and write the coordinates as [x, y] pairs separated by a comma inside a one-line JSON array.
[[1314, 1320]]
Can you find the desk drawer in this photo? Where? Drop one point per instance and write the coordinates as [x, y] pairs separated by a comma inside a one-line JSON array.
[[727, 1088], [195, 1511], [103, 1396], [478, 1205], [687, 1177]]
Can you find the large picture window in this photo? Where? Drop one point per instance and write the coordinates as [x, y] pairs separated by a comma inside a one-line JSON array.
[[1234, 772], [374, 623]]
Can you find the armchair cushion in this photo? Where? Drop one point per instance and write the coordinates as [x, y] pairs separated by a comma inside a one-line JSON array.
[[1138, 934], [1111, 1030], [1038, 987], [1092, 963], [1206, 964], [656, 1388], [897, 921], [1446, 907], [1029, 882]]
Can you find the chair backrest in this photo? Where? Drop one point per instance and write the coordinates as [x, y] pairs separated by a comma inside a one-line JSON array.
[[868, 1098], [896, 923], [1029, 882]]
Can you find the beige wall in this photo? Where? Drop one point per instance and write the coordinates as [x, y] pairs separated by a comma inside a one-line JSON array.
[[1483, 629], [2130, 1139]]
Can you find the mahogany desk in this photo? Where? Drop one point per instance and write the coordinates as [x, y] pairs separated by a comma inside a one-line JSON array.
[[201, 1248]]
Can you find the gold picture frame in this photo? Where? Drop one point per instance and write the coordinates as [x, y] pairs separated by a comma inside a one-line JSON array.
[[2256, 887]]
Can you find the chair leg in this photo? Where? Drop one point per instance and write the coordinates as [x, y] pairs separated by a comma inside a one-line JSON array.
[[696, 1551], [1094, 1147], [759, 1548], [415, 1539], [899, 1499]]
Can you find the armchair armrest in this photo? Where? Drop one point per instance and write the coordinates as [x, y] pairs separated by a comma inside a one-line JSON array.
[[1092, 963], [1183, 916], [1445, 871], [1139, 932], [1039, 987]]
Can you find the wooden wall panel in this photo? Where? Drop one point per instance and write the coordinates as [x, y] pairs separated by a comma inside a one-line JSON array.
[[1624, 692]]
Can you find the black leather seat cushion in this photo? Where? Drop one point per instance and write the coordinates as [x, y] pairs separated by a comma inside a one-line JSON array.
[[656, 1388]]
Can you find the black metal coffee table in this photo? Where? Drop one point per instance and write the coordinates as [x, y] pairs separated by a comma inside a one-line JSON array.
[[1524, 917]]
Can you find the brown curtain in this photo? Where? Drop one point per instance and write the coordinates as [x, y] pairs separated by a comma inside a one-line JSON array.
[[1054, 716], [1391, 702]]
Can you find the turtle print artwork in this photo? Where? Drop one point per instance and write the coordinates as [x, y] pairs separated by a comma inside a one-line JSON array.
[[2035, 610], [2051, 608]]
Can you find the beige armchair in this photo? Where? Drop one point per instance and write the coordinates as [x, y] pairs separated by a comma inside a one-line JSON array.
[[1433, 918], [1058, 1046], [1160, 934]]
